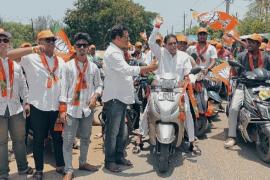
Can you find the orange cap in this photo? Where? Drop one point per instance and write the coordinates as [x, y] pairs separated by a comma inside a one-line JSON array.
[[201, 29], [213, 42], [138, 44], [256, 37], [45, 34], [181, 38]]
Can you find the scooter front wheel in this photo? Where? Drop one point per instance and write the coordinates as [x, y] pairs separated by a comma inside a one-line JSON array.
[[263, 145], [163, 161]]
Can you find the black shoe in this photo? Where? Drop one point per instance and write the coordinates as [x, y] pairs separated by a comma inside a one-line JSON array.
[[124, 162], [38, 175], [113, 167]]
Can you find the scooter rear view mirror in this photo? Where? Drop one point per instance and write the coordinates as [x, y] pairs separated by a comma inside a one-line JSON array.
[[195, 70]]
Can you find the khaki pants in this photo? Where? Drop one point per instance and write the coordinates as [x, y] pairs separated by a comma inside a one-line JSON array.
[[236, 104]]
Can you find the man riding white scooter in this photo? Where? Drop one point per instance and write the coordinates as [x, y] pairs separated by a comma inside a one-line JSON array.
[[176, 62], [251, 59]]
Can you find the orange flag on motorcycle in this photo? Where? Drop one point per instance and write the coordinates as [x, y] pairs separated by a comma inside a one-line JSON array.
[[63, 47], [218, 20], [222, 72]]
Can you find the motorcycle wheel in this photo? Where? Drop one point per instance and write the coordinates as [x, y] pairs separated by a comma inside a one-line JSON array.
[[201, 126], [163, 161], [263, 145]]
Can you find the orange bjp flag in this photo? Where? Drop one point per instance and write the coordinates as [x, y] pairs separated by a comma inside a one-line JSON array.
[[63, 47], [218, 20]]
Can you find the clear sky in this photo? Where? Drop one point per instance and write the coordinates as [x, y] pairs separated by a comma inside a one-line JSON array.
[[171, 10]]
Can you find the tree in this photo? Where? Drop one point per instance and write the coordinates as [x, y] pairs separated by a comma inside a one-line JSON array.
[[96, 17], [20, 32], [257, 18]]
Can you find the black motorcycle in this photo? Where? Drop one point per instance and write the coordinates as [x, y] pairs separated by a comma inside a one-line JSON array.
[[254, 115]]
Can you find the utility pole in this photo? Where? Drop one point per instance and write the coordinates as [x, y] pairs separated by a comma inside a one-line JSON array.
[[190, 25], [33, 32], [228, 6], [184, 23]]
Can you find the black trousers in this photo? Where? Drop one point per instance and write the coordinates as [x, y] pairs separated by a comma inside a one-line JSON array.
[[42, 122]]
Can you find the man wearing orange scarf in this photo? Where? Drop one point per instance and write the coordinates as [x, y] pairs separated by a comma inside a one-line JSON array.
[[12, 87], [251, 59], [43, 68], [205, 56], [81, 85]]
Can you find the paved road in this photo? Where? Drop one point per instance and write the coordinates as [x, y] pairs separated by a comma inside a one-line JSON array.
[[215, 162]]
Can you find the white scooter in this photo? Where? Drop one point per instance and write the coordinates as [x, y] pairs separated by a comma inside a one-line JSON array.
[[166, 131]]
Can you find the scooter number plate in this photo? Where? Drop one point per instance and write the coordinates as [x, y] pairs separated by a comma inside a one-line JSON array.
[[168, 96]]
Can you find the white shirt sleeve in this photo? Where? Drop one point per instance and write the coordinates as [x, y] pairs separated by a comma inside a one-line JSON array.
[[155, 48], [97, 81], [213, 53], [23, 89], [118, 63], [64, 83], [187, 66]]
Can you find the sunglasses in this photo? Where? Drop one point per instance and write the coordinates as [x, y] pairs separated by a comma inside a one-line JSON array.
[[4, 40], [50, 40], [82, 45]]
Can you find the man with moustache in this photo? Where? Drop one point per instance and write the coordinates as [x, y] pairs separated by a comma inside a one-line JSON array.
[[81, 85]]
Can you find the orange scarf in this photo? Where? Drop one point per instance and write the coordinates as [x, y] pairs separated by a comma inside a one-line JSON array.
[[3, 79], [182, 111], [251, 61], [52, 78], [200, 52], [81, 82]]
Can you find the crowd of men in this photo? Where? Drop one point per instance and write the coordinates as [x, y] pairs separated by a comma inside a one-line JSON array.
[[59, 97]]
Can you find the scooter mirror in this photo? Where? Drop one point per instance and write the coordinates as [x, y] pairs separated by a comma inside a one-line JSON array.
[[195, 70]]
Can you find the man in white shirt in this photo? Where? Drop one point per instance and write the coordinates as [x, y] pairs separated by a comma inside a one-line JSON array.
[[13, 86], [206, 53], [205, 56], [81, 85], [43, 73], [171, 60], [118, 92]]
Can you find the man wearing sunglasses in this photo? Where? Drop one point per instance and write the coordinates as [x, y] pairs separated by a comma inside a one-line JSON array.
[[43, 73], [13, 86], [171, 60], [81, 85]]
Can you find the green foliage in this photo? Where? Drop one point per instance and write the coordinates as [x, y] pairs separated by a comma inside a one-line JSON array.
[[251, 25], [20, 32], [96, 17], [257, 19]]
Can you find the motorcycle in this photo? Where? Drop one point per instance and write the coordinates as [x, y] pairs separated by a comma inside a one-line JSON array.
[[206, 90], [166, 131], [253, 123]]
